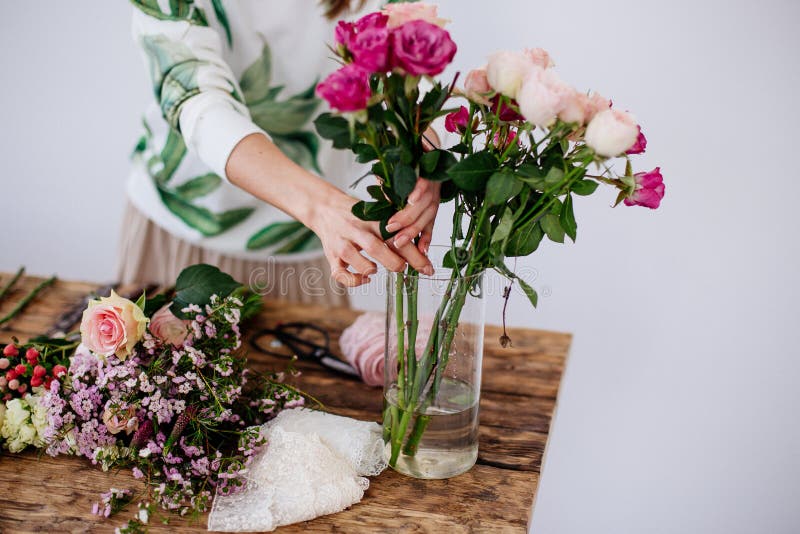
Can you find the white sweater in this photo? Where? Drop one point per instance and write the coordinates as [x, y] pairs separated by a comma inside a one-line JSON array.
[[222, 70]]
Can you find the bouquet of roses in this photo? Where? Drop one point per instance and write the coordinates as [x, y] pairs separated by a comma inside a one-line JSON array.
[[157, 385], [527, 142]]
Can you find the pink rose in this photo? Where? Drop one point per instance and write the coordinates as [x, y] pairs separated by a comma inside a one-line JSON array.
[[512, 136], [506, 71], [543, 96], [477, 87], [112, 325], [372, 21], [346, 89], [649, 189], [539, 57], [370, 49], [401, 13], [419, 47], [611, 132], [640, 145], [574, 108], [118, 420], [457, 121], [344, 33], [597, 103], [168, 328]]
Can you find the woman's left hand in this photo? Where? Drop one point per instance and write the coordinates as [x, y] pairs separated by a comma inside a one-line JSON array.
[[417, 218]]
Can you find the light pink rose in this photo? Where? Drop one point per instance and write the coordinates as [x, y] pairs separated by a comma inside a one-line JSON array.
[[168, 328], [404, 12], [574, 108], [118, 420], [597, 103], [346, 89], [506, 71], [539, 57], [419, 47], [476, 86], [611, 132], [112, 325], [542, 96], [649, 189]]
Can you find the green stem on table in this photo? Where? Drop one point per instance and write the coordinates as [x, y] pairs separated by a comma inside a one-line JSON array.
[[10, 284], [28, 298]]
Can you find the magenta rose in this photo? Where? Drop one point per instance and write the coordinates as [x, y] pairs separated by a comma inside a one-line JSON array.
[[371, 21], [457, 121], [344, 33], [346, 89], [505, 112], [640, 145], [649, 189], [370, 49], [419, 47]]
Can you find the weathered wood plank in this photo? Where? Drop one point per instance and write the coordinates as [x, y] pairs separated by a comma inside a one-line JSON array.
[[517, 402]]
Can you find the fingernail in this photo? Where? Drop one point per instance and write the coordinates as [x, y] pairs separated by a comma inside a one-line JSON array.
[[392, 226], [425, 248], [400, 241], [428, 270], [413, 198]]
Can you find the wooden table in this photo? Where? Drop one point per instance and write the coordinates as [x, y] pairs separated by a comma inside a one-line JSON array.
[[518, 399]]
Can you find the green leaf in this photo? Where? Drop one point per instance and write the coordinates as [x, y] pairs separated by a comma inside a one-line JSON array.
[[385, 234], [567, 218], [255, 79], [552, 227], [198, 186], [529, 291], [471, 173], [154, 304], [335, 129], [525, 240], [364, 153], [428, 162], [169, 159], [376, 192], [142, 300], [219, 11], [502, 186], [434, 165], [455, 258], [404, 180], [504, 227], [229, 219], [372, 211], [197, 283], [533, 175], [273, 234], [584, 187], [283, 116], [301, 242]]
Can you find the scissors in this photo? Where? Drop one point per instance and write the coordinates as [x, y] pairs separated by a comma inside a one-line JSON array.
[[291, 335]]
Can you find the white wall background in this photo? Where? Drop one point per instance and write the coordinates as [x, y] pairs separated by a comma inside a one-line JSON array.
[[678, 409]]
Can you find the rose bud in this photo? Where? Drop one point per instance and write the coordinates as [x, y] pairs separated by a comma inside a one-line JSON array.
[[10, 350], [36, 381], [59, 371], [20, 369], [639, 146], [22, 388], [13, 384], [457, 121], [648, 190], [4, 363], [32, 355]]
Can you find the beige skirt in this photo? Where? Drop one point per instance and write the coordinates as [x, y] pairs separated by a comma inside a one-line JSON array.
[[149, 254]]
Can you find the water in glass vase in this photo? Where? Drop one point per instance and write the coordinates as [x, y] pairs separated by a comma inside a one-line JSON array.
[[449, 444]]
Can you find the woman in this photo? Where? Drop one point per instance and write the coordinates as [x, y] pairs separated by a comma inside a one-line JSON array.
[[230, 170]]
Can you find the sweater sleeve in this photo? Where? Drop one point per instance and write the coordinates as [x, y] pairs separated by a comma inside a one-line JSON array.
[[195, 88]]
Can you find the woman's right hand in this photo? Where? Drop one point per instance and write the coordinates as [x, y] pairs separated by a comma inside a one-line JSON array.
[[345, 238]]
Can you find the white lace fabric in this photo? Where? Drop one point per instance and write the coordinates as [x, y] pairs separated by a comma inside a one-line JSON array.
[[315, 464]]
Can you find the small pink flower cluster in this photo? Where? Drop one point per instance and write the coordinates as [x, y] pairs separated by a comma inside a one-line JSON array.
[[407, 38]]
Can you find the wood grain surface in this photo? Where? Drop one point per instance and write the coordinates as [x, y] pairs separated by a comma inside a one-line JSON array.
[[518, 399]]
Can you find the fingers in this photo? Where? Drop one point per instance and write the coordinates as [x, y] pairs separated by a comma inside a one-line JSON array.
[[424, 243], [415, 258], [408, 234], [359, 263], [347, 278], [378, 250]]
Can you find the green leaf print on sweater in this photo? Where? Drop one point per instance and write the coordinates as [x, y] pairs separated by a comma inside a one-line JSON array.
[[178, 10], [291, 235], [222, 17], [201, 219]]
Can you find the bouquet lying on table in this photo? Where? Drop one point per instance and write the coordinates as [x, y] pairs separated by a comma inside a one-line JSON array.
[[156, 385]]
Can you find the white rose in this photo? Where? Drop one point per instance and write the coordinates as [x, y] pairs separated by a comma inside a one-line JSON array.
[[2, 413], [506, 70], [38, 418], [611, 132], [541, 96]]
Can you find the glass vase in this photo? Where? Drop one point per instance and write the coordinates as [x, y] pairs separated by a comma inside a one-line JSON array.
[[432, 372]]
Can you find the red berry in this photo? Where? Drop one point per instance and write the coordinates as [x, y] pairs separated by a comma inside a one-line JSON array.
[[36, 381], [47, 382], [31, 354], [20, 369], [39, 371], [59, 371], [10, 350], [11, 375], [22, 388], [4, 363]]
